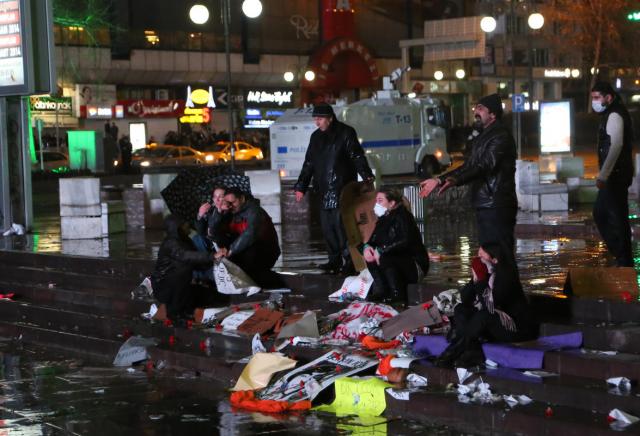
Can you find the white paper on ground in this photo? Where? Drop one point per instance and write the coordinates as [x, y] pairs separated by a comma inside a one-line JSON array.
[[510, 400], [252, 290], [621, 382], [623, 417], [235, 319], [399, 394], [524, 400], [463, 374], [152, 311], [133, 350], [402, 362], [277, 291], [256, 345], [415, 380], [210, 313], [539, 374], [490, 363]]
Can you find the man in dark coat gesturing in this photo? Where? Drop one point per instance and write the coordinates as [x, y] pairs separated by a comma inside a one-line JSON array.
[[490, 170], [334, 158]]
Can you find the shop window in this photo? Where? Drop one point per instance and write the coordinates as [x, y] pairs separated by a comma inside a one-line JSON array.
[[195, 41]]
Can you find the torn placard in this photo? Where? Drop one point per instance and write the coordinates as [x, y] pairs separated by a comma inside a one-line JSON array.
[[620, 382], [256, 345]]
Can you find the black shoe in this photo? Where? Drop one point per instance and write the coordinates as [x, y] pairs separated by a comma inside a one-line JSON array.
[[470, 359]]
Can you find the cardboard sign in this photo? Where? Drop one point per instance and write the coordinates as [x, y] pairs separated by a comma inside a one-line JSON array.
[[610, 283], [261, 321], [414, 317], [356, 208]]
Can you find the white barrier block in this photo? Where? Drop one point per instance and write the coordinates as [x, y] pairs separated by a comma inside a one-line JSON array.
[[80, 191]]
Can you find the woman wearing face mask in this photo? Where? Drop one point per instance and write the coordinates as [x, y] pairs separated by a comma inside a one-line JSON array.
[[394, 253]]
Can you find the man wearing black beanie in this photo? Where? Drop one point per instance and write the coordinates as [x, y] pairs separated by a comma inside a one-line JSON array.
[[490, 170], [334, 158]]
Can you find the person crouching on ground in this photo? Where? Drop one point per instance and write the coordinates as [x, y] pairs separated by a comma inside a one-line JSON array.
[[493, 308], [254, 247], [394, 253], [171, 279]]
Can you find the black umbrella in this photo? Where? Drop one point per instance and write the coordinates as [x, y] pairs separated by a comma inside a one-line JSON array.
[[192, 187]]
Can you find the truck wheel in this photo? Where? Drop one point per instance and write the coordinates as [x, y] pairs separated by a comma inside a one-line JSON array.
[[428, 167]]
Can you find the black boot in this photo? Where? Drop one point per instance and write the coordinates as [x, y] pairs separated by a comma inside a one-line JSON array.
[[397, 296], [378, 290], [450, 354]]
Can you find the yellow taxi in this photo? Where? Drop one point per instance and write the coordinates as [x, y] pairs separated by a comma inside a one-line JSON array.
[[221, 152]]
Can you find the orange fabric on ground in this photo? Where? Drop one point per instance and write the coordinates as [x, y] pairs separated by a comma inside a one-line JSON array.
[[385, 364], [373, 343], [247, 400]]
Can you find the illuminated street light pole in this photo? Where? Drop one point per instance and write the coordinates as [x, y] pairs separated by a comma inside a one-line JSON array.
[[199, 14]]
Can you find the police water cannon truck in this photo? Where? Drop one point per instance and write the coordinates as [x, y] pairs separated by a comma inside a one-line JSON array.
[[400, 135]]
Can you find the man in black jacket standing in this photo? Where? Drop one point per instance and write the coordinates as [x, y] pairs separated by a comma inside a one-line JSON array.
[[334, 158], [611, 210], [490, 169]]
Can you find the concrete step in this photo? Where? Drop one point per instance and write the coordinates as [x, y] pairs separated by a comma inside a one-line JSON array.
[[622, 338], [598, 310], [566, 390]]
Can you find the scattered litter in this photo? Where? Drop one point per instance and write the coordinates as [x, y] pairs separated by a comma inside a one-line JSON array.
[[148, 315], [463, 374], [539, 374], [490, 364], [234, 320], [447, 300], [256, 345], [155, 417], [416, 381], [230, 279], [15, 229], [51, 285], [620, 382], [99, 391], [621, 419], [513, 401], [399, 394], [358, 396], [599, 352], [133, 350], [131, 370], [354, 287], [402, 362], [260, 369]]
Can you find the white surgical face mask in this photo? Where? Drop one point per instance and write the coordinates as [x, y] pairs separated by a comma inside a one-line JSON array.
[[379, 210], [598, 106]]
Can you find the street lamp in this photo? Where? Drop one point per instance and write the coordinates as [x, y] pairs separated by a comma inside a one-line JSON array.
[[488, 24], [438, 75], [199, 14], [460, 73]]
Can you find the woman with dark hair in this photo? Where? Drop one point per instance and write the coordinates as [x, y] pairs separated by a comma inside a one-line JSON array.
[[493, 308], [394, 253]]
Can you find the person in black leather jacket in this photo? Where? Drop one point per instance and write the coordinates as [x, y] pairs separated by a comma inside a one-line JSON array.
[[394, 253], [171, 278], [490, 170], [334, 158], [254, 245], [615, 163], [493, 308]]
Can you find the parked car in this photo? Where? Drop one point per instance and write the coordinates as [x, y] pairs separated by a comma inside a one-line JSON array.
[[221, 151], [53, 161], [166, 155]]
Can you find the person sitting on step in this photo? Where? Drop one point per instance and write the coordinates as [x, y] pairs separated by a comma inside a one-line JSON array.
[[493, 308], [394, 253]]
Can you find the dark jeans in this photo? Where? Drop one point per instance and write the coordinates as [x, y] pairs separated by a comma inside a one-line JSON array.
[[472, 324], [392, 276], [257, 262], [611, 214], [204, 245], [334, 236]]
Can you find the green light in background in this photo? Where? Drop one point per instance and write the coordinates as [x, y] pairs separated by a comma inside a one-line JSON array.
[[634, 16], [632, 217], [32, 145], [82, 149]]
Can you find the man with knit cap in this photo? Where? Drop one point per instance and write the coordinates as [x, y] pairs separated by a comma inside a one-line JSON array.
[[490, 171], [334, 159], [615, 136]]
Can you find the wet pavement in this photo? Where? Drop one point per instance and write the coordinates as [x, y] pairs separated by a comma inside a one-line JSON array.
[[50, 394]]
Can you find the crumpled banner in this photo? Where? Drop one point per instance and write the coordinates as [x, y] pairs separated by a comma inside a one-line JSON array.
[[359, 318], [258, 372], [247, 400], [358, 396]]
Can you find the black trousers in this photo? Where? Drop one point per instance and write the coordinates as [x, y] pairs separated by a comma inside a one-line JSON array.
[[611, 214], [334, 236], [257, 261], [496, 226], [472, 324], [393, 275]]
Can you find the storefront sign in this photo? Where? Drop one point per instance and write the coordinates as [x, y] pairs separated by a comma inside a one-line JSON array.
[[152, 108], [269, 98], [196, 115], [94, 96], [260, 118], [99, 111], [562, 73], [46, 104]]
